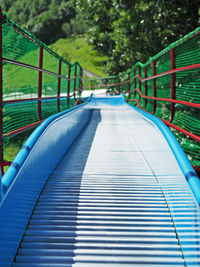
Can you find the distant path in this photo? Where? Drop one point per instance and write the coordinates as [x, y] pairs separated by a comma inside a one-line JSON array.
[[90, 74]]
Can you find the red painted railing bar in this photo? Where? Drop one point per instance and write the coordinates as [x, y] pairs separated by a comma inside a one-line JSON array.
[[77, 101], [189, 104], [40, 84], [20, 130], [140, 83], [17, 63], [154, 87], [80, 83], [1, 98], [173, 84], [13, 101], [145, 87], [193, 136], [75, 79], [191, 67], [139, 73], [74, 92], [59, 81], [129, 86], [134, 73], [7, 163], [68, 86]]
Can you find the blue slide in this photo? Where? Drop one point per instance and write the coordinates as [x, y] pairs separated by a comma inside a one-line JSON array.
[[102, 184]]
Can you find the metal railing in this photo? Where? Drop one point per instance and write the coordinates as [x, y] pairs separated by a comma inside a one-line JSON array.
[[167, 86], [68, 80]]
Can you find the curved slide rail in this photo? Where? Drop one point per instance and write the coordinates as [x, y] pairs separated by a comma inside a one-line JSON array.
[[101, 184]]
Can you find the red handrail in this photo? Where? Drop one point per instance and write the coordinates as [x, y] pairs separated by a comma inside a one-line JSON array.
[[191, 67], [39, 99], [40, 83], [145, 96], [28, 66], [1, 99], [22, 129], [193, 136], [185, 103], [59, 83]]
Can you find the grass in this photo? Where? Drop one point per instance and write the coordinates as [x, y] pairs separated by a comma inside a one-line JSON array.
[[18, 80], [14, 145], [77, 49]]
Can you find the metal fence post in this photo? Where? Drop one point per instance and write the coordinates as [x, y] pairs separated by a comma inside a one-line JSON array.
[[129, 86], [173, 83], [80, 83], [75, 74], [68, 85], [145, 87], [154, 87], [40, 83], [59, 81], [139, 73], [1, 99], [134, 73]]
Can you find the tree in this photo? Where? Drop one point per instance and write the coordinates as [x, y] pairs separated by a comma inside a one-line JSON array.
[[46, 19], [130, 30]]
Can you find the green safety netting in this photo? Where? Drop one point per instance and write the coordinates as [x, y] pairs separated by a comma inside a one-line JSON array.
[[20, 84], [187, 88]]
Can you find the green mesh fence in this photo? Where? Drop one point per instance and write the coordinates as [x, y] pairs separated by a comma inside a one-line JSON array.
[[35, 83], [182, 56]]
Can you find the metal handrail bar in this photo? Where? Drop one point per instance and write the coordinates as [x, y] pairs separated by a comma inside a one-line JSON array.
[[14, 62]]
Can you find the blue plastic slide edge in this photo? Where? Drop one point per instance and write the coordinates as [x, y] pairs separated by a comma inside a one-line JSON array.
[[184, 163], [24, 180], [20, 158]]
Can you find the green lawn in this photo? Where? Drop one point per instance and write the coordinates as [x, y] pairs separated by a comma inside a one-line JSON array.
[[77, 49], [19, 80]]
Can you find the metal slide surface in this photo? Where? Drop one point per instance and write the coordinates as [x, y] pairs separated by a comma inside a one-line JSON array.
[[117, 198]]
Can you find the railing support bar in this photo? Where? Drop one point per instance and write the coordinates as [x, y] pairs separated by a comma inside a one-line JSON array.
[[173, 84], [154, 87], [40, 83], [145, 86], [134, 73], [129, 86], [140, 85], [59, 81], [68, 86], [1, 99], [80, 82], [75, 80]]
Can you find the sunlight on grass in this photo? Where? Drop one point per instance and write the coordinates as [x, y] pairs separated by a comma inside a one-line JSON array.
[[77, 49]]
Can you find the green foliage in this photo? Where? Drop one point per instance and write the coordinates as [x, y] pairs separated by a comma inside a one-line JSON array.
[[15, 73], [126, 31], [48, 20], [77, 49], [15, 144], [129, 30]]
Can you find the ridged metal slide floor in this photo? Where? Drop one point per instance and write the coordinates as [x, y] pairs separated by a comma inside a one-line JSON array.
[[103, 205]]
